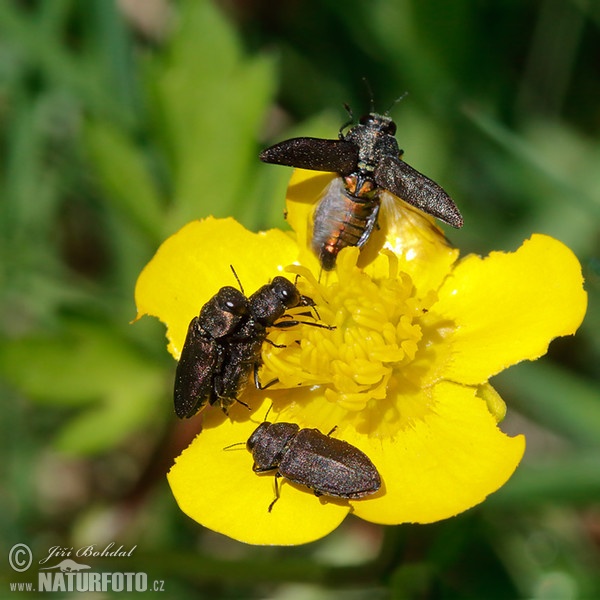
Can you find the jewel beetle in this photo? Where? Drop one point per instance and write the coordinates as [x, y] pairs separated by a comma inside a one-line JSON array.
[[368, 161], [224, 342], [328, 466]]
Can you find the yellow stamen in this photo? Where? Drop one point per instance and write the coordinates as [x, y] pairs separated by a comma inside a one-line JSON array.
[[377, 335]]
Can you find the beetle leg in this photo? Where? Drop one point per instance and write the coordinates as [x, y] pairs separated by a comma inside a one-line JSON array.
[[349, 122], [274, 344], [257, 383], [316, 312], [242, 403], [226, 402], [293, 323], [277, 475]]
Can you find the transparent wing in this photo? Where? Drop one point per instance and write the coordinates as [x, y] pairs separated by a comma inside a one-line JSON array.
[[416, 239]]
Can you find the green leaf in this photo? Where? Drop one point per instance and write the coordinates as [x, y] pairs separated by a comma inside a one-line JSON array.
[[555, 398], [126, 177], [570, 479], [91, 366], [209, 103], [125, 410], [78, 365]]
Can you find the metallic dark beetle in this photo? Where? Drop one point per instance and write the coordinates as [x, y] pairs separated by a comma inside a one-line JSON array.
[[223, 344], [328, 466], [369, 163]]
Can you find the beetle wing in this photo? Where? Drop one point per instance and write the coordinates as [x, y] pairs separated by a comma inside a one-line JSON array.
[[236, 370], [413, 187], [194, 378], [315, 154], [329, 466], [410, 226]]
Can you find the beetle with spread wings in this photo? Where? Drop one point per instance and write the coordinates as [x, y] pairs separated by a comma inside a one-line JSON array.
[[368, 161]]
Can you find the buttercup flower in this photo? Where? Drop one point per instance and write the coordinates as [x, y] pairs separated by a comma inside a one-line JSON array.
[[403, 376]]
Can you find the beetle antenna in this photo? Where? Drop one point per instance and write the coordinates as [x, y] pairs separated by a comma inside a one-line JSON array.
[[268, 411], [348, 122], [239, 282], [370, 92], [398, 99], [234, 445], [276, 492]]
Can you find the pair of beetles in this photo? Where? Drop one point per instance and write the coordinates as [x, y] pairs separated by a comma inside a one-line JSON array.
[[224, 342]]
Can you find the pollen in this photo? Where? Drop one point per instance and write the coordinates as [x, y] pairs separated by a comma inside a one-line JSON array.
[[373, 337]]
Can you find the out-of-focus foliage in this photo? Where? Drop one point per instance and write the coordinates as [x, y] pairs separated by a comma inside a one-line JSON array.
[[121, 121]]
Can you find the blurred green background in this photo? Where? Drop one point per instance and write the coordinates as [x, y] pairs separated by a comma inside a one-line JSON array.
[[121, 121]]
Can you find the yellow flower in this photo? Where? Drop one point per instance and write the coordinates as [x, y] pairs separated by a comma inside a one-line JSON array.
[[403, 376]]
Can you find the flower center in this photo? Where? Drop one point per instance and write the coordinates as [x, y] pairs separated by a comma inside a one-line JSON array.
[[376, 337]]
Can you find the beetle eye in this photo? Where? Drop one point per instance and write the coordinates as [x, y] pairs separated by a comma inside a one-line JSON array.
[[237, 306], [233, 301], [286, 291], [391, 128]]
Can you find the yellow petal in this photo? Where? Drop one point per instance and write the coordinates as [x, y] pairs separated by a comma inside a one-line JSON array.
[[508, 307], [303, 192], [493, 401], [445, 463], [218, 488], [194, 263]]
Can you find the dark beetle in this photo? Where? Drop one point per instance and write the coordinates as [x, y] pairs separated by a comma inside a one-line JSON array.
[[369, 162], [198, 378], [223, 344], [330, 467]]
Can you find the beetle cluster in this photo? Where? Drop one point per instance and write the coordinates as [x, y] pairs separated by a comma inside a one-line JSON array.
[[224, 342], [222, 349]]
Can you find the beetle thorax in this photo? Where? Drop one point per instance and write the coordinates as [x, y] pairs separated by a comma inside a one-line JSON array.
[[373, 143]]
